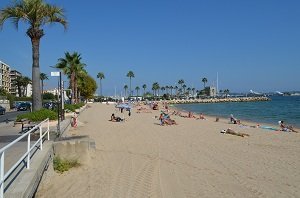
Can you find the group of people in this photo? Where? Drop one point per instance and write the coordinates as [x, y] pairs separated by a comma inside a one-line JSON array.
[[165, 119], [282, 125]]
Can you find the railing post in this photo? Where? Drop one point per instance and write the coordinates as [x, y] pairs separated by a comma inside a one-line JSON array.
[[41, 138], [2, 174], [48, 129], [28, 151]]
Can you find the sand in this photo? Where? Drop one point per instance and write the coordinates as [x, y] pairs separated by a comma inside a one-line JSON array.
[[140, 158]]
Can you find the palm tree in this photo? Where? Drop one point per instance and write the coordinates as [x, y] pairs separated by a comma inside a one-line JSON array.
[[156, 88], [37, 14], [71, 66], [176, 89], [162, 90], [18, 83], [189, 90], [144, 87], [25, 82], [125, 89], [171, 88], [181, 82], [204, 80], [183, 86], [137, 90], [193, 90], [130, 75], [101, 76], [226, 92], [167, 89], [43, 77]]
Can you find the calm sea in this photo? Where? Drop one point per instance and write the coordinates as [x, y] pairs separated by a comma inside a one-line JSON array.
[[285, 108]]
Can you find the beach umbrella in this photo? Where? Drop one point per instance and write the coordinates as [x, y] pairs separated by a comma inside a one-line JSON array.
[[124, 105]]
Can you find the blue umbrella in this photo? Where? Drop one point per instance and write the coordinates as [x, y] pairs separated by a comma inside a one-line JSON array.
[[124, 105]]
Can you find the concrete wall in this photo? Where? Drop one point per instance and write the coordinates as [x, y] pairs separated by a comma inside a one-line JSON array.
[[74, 148]]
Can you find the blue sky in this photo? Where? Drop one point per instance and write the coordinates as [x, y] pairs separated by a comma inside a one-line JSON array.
[[251, 44]]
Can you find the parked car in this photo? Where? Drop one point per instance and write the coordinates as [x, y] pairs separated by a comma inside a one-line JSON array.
[[24, 107], [2, 110]]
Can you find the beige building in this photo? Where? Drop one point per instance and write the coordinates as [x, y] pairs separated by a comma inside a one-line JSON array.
[[5, 81], [14, 88]]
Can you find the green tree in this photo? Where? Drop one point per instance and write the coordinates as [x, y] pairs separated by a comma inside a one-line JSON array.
[[144, 87], [171, 89], [18, 82], [193, 90], [3, 92], [162, 90], [101, 76], [183, 86], [43, 77], [88, 87], [37, 14], [130, 75], [137, 90], [72, 66], [181, 82], [176, 89], [155, 88], [25, 82], [226, 92], [48, 96], [204, 80], [189, 90], [81, 78], [125, 89]]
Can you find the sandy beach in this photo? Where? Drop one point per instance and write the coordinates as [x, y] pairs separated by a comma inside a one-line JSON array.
[[140, 158]]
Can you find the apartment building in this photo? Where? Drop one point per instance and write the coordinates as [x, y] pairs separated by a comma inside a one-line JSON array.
[[5, 81], [14, 88]]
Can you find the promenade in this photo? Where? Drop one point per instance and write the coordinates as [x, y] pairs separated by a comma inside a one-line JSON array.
[[140, 158]]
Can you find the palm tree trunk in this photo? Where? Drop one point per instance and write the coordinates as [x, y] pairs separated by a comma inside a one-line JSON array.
[[36, 88], [42, 89], [19, 91], [76, 91], [79, 96], [130, 86], [72, 88], [100, 88]]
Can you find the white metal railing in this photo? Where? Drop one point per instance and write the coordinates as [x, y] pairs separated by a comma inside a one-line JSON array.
[[27, 155]]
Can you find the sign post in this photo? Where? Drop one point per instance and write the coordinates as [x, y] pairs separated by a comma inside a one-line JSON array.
[[58, 74]]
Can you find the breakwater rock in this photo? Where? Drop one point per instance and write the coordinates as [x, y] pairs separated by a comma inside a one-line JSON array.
[[218, 100]]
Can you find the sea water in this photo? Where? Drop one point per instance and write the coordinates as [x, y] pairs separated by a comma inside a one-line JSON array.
[[286, 108]]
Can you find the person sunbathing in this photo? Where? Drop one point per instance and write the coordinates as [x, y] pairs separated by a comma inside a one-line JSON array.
[[201, 116], [113, 118], [232, 132], [166, 120], [234, 120], [287, 128]]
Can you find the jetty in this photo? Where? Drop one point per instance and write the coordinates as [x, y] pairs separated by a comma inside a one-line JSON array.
[[219, 100]]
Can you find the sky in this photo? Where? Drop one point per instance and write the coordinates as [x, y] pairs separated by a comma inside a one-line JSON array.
[[250, 44]]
